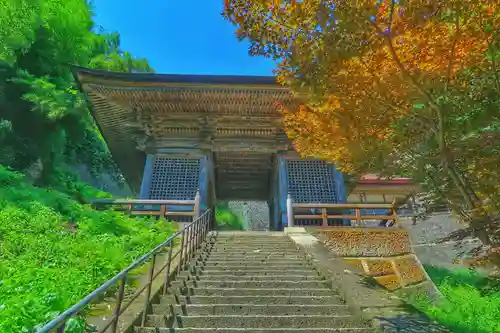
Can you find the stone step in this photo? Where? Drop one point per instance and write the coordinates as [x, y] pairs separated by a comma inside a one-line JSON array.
[[250, 284], [257, 261], [254, 330], [276, 255], [251, 235], [259, 292], [252, 309], [302, 271], [252, 255], [266, 321], [249, 249], [286, 277], [277, 267], [252, 242], [270, 243], [296, 300], [253, 247], [252, 238]]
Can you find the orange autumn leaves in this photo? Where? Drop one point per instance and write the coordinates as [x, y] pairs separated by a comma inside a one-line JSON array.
[[363, 66]]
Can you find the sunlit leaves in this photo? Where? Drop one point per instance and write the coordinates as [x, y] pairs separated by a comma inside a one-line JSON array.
[[17, 27], [47, 99], [39, 41], [377, 75]]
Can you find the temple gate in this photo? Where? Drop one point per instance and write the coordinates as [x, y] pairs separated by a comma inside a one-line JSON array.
[[174, 135]]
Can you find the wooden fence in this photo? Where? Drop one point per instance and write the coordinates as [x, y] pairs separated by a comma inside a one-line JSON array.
[[165, 207], [388, 220]]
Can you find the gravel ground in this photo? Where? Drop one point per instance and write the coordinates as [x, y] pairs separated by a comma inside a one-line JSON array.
[[424, 235]]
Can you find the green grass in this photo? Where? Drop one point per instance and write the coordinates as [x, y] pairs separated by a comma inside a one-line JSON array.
[[226, 219], [471, 301], [44, 266]]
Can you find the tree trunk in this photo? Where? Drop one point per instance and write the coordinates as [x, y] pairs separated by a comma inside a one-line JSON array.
[[478, 220]]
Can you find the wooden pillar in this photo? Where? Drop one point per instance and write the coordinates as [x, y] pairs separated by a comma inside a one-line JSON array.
[[273, 201], [340, 191], [289, 211], [282, 190], [146, 176]]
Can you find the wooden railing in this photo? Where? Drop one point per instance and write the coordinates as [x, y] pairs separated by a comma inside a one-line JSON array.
[[165, 206], [388, 220]]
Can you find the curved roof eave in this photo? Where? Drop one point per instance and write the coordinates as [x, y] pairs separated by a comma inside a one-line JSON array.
[[83, 74]]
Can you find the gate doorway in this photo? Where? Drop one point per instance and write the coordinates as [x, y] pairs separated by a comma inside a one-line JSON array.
[[242, 215]]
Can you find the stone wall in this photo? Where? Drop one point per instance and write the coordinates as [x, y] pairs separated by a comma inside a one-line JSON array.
[[105, 182], [257, 213], [364, 242]]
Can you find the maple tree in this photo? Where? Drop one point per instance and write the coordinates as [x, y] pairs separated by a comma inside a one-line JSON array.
[[389, 86]]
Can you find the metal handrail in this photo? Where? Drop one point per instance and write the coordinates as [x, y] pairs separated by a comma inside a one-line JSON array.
[[191, 236]]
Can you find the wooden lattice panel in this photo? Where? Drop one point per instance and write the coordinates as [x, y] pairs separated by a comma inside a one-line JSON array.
[[174, 178], [312, 182]]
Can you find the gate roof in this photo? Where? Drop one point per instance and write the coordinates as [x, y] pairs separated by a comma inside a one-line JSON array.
[[138, 113]]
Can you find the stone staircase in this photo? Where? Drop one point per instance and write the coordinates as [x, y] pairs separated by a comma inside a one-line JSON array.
[[252, 282]]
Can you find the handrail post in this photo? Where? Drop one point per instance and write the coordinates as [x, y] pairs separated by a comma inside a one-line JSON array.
[[289, 210], [163, 211], [187, 245], [191, 244], [119, 300], [197, 235], [196, 208], [191, 239], [169, 264], [148, 290], [61, 328], [183, 239], [324, 217]]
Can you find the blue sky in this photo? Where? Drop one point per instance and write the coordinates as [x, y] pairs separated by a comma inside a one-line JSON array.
[[180, 37]]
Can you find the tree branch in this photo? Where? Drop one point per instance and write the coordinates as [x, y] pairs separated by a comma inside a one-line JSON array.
[[452, 52], [494, 65]]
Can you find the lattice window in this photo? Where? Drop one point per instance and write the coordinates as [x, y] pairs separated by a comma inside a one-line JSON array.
[[311, 181], [174, 178]]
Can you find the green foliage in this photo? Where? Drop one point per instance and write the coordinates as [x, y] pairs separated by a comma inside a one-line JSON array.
[[43, 117], [468, 305], [226, 219], [54, 251]]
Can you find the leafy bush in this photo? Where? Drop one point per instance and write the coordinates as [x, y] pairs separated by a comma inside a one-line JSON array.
[[469, 306], [226, 219], [54, 251]]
